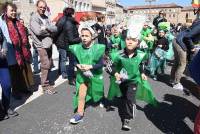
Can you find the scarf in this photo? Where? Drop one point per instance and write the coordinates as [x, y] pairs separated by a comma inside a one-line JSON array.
[[19, 40]]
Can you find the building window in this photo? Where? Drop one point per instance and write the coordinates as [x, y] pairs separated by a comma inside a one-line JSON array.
[[84, 7], [174, 15], [169, 15], [80, 6], [88, 7], [76, 5], [186, 16]]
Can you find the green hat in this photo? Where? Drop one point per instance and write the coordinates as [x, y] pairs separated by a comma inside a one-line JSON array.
[[165, 26]]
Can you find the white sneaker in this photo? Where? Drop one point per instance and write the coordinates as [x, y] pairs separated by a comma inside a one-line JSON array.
[[101, 105], [178, 86]]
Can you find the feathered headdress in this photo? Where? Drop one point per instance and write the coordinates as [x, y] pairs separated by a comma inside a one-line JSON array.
[[134, 25], [88, 25]]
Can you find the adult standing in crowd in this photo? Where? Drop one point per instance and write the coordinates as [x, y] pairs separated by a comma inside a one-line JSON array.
[[159, 18], [5, 81], [67, 35], [183, 45], [42, 29], [100, 28], [19, 54]]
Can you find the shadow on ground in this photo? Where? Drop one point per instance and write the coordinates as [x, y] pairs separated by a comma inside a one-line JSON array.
[[169, 116], [53, 76]]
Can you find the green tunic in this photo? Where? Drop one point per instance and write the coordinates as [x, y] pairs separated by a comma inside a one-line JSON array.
[[145, 33], [89, 56], [114, 88], [170, 51], [117, 41], [131, 65]]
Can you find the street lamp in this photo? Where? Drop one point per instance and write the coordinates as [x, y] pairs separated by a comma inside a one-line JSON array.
[[150, 1]]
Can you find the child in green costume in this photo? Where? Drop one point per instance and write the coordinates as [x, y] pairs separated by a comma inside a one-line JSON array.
[[148, 39], [116, 42], [89, 79], [158, 57], [131, 79]]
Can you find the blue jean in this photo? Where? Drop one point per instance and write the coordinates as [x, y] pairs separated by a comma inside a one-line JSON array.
[[35, 60], [62, 61], [6, 87]]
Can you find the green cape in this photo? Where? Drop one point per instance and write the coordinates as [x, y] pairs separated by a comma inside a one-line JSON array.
[[145, 33], [131, 65], [118, 41], [89, 56]]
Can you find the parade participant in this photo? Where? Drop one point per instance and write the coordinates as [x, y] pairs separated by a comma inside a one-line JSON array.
[[131, 78], [147, 37], [89, 79], [116, 42], [170, 51], [158, 59], [148, 40]]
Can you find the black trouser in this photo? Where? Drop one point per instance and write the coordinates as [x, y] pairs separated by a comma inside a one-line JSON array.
[[127, 101]]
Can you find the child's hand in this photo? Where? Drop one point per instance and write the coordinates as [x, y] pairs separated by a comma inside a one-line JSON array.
[[80, 66], [144, 77], [117, 76], [87, 67]]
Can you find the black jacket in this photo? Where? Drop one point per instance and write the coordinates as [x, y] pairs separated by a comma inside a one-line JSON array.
[[186, 38], [164, 42], [157, 20], [101, 34], [67, 33]]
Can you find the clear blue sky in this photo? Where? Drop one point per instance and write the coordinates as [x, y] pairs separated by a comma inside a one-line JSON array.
[[142, 2]]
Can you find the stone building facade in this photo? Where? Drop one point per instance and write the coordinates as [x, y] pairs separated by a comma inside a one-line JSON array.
[[187, 15], [26, 7], [82, 5], [110, 11], [120, 13], [174, 13]]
